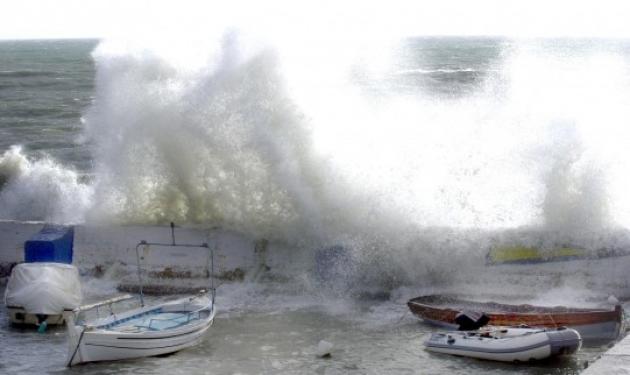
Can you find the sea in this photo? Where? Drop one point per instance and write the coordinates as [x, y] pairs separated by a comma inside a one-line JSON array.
[[410, 153]]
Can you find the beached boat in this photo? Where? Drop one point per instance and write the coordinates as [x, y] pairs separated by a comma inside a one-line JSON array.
[[38, 293], [593, 324], [506, 344], [141, 332]]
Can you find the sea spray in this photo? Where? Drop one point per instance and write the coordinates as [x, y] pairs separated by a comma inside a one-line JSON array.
[[222, 145], [331, 143], [41, 190]]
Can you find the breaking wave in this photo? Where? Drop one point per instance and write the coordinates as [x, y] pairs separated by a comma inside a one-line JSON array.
[[283, 141], [40, 190]]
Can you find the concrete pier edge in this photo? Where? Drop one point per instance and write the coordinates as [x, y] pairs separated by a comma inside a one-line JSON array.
[[615, 361]]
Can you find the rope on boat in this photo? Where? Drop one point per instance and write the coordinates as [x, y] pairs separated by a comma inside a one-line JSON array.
[[76, 349]]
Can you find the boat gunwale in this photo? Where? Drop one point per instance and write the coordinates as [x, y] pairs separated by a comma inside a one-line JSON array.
[[540, 316], [443, 301]]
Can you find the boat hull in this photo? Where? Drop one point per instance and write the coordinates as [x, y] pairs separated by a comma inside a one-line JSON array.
[[107, 342], [101, 347], [594, 325]]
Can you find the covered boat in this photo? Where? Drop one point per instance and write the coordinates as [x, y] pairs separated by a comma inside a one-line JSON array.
[[593, 324], [38, 293], [506, 344]]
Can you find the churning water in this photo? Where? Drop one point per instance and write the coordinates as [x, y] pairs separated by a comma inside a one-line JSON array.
[[259, 332]]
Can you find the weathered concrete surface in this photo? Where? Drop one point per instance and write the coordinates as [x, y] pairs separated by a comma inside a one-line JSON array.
[[110, 252], [12, 237], [615, 361]]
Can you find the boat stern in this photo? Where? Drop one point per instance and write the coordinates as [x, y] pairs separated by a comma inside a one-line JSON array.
[[564, 341]]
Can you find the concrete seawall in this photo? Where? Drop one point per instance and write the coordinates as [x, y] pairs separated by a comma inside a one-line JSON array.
[[108, 251]]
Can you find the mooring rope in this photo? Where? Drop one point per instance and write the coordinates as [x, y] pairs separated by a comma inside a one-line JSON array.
[[76, 349]]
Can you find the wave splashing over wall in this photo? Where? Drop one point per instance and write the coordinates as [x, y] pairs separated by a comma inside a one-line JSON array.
[[219, 144], [321, 142]]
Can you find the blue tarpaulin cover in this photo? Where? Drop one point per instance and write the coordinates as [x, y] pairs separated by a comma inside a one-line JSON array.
[[51, 244]]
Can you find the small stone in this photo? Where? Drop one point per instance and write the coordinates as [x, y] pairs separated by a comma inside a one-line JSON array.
[[324, 349]]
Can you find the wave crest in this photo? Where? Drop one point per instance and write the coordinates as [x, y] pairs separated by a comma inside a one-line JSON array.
[[40, 190]]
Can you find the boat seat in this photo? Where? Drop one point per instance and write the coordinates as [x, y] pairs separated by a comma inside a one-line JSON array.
[[128, 329], [147, 327]]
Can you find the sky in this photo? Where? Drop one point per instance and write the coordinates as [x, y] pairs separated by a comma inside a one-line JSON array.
[[35, 19]]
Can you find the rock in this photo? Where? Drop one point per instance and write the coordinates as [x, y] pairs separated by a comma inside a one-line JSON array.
[[324, 349]]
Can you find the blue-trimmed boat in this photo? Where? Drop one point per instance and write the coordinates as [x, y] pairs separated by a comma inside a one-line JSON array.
[[141, 332]]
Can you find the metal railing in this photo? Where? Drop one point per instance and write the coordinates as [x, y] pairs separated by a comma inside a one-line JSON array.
[[108, 302], [174, 244]]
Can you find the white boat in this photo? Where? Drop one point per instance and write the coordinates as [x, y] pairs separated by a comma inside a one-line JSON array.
[[38, 293], [142, 332], [506, 344]]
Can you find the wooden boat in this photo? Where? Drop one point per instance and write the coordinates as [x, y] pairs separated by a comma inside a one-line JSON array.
[[506, 344], [141, 332], [593, 324], [144, 332]]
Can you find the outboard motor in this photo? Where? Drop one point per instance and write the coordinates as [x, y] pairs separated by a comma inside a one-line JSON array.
[[471, 320]]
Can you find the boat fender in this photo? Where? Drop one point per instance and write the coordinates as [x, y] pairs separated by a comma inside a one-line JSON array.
[[41, 323], [42, 327]]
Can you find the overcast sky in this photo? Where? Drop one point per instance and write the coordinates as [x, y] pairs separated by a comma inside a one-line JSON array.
[[20, 19]]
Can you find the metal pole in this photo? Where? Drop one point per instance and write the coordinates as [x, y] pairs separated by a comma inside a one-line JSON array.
[[140, 272], [212, 274], [173, 232]]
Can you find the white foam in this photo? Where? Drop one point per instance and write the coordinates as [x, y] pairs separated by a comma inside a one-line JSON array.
[[40, 190], [275, 139]]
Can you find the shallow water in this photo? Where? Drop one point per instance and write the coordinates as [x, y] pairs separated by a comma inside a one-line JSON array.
[[369, 337]]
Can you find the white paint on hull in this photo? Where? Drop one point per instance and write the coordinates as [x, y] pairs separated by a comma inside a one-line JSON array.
[[114, 337]]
